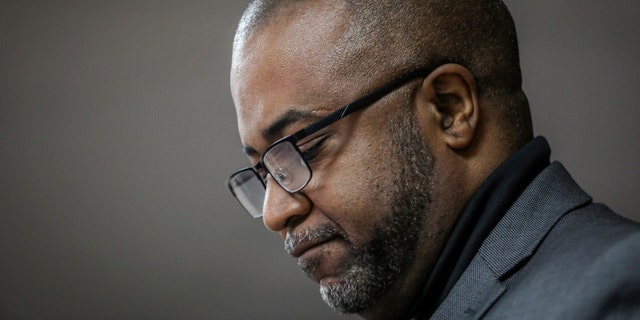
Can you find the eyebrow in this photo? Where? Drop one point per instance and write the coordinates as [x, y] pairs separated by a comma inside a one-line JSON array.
[[277, 127]]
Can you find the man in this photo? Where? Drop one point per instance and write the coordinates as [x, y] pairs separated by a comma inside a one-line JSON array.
[[393, 152]]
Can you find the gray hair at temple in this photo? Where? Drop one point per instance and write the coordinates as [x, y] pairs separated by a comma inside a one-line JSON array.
[[388, 38]]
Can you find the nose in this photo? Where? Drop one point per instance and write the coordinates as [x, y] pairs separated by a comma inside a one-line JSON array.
[[280, 207]]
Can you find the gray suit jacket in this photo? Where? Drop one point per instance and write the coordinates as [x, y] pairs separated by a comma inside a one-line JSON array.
[[554, 255]]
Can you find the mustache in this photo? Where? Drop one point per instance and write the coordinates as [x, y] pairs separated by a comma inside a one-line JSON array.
[[318, 234]]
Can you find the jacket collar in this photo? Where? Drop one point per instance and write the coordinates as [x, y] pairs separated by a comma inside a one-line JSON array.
[[485, 208], [512, 242]]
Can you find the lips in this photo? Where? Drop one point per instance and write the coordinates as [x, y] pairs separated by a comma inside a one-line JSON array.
[[304, 247], [298, 244]]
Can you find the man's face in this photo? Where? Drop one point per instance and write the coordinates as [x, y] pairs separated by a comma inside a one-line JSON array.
[[359, 227], [374, 262]]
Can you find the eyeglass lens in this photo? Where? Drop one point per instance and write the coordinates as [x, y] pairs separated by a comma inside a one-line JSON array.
[[287, 167], [248, 188]]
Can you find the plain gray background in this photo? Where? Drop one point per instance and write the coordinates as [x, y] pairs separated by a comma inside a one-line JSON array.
[[117, 134]]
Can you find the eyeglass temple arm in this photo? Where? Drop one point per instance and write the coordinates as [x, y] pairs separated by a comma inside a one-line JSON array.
[[363, 102]]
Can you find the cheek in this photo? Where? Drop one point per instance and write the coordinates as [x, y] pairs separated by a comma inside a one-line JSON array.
[[355, 190]]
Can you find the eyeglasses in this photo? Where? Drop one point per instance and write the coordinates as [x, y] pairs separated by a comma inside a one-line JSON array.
[[283, 159]]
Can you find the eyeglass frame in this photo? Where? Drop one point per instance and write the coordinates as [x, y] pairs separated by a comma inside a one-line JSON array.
[[361, 103]]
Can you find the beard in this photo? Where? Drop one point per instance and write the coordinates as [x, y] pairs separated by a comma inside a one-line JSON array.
[[375, 266]]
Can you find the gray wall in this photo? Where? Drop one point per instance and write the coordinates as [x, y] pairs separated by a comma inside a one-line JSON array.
[[117, 133]]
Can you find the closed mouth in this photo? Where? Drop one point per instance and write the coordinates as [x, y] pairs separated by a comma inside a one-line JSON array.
[[296, 245]]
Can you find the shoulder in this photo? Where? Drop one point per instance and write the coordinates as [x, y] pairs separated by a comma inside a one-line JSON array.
[[593, 228], [592, 243], [594, 247], [587, 266], [553, 255]]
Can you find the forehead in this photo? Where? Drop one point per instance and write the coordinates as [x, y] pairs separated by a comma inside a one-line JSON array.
[[281, 68]]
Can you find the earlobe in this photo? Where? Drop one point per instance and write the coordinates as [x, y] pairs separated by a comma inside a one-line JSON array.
[[451, 88]]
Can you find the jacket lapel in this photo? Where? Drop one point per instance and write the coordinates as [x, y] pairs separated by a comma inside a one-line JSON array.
[[473, 294], [511, 243]]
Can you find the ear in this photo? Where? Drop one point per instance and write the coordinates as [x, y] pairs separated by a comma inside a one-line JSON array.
[[451, 94]]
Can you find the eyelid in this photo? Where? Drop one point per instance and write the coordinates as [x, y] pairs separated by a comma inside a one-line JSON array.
[[312, 142]]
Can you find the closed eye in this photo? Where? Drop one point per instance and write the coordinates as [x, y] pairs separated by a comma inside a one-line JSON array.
[[313, 151]]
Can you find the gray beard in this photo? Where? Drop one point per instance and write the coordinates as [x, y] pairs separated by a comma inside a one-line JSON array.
[[375, 267]]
